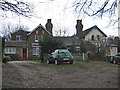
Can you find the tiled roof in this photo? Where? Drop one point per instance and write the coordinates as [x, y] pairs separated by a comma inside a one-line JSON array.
[[16, 43], [42, 28], [22, 31], [87, 31], [69, 40]]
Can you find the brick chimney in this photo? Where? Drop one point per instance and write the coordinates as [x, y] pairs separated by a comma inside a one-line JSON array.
[[79, 28], [49, 25]]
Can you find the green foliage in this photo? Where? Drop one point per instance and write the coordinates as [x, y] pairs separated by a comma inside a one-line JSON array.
[[81, 64], [37, 57], [93, 51], [82, 46], [73, 47], [6, 58], [14, 56], [90, 55], [49, 44]]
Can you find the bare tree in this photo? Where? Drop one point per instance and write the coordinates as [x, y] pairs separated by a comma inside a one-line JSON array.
[[113, 40], [16, 6], [97, 48], [98, 8], [8, 29], [61, 30]]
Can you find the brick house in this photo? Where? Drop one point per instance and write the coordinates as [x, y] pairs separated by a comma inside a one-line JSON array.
[[26, 43]]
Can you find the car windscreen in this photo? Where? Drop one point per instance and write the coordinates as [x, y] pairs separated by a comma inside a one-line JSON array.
[[64, 52]]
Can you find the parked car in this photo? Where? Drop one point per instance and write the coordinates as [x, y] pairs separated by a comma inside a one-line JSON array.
[[116, 59], [59, 56]]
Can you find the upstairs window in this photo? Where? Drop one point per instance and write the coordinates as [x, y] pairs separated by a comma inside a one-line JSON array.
[[98, 37], [92, 37], [36, 36], [18, 37]]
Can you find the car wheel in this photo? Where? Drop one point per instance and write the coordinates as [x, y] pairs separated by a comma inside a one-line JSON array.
[[48, 62], [114, 62], [71, 62], [56, 62]]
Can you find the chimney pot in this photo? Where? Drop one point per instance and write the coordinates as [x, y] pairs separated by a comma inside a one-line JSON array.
[[48, 20], [79, 21]]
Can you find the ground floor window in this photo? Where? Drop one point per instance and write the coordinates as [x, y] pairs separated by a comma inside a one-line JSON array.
[[35, 50], [9, 50]]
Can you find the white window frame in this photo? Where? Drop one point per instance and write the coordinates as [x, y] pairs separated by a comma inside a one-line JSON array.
[[9, 50], [36, 37], [18, 37], [36, 50], [6, 50]]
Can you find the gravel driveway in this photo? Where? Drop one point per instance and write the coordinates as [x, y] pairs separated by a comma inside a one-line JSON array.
[[28, 74]]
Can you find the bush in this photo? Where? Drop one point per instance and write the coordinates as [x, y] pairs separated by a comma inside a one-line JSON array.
[[37, 57], [14, 56], [6, 59], [90, 55]]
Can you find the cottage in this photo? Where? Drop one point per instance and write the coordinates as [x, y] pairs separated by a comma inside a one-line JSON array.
[[91, 34], [25, 43]]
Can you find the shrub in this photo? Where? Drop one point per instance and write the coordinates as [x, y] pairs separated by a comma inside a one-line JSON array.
[[90, 55], [14, 56], [6, 59], [37, 57]]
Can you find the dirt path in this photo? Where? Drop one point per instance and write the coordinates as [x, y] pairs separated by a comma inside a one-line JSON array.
[[27, 74]]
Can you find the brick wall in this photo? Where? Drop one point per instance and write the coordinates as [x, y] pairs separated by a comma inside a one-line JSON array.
[[20, 32]]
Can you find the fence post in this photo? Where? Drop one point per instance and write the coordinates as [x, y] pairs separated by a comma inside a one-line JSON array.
[[83, 56]]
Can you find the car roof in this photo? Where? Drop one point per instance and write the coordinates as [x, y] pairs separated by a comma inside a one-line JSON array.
[[60, 49]]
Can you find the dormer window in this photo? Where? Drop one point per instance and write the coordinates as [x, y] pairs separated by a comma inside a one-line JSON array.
[[36, 36], [18, 37]]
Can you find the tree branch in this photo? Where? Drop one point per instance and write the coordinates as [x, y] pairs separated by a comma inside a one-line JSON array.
[[19, 7]]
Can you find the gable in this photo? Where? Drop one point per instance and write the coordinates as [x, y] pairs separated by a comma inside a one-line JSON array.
[[40, 28], [94, 30], [19, 32]]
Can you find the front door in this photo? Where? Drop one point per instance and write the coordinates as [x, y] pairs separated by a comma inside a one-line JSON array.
[[24, 53]]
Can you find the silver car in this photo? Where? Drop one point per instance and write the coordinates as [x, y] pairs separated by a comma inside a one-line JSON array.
[[116, 59]]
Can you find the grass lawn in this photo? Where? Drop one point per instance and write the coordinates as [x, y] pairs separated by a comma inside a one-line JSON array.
[[79, 64]]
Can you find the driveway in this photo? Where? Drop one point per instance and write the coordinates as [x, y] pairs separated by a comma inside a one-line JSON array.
[[28, 74]]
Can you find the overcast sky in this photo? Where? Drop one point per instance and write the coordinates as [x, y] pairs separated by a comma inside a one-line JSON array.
[[62, 15]]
